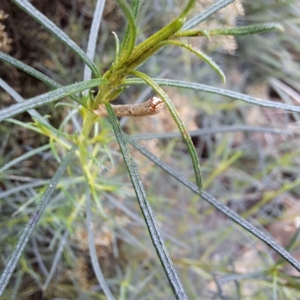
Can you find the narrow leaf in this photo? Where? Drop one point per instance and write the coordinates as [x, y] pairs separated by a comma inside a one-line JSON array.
[[200, 54], [222, 167], [55, 261], [210, 131], [235, 31], [294, 241], [29, 70], [143, 49], [49, 97], [190, 5], [218, 91], [24, 125], [91, 47], [24, 238], [42, 122], [152, 226], [12, 92], [244, 30], [96, 161], [117, 41], [206, 14], [92, 248], [181, 126], [22, 188], [33, 72], [219, 206], [23, 157], [130, 35], [57, 32], [135, 9]]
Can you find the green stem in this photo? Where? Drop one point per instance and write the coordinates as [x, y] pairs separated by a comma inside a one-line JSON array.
[[89, 121]]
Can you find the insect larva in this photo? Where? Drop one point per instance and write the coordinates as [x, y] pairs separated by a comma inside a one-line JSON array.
[[151, 107]]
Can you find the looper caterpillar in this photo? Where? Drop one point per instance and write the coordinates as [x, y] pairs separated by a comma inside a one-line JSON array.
[[151, 107]]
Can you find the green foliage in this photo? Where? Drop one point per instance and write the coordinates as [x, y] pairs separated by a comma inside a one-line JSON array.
[[242, 30], [114, 81]]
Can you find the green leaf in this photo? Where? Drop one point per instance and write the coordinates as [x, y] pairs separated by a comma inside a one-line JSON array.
[[244, 30], [42, 121], [218, 91], [210, 131], [96, 161], [29, 70], [24, 238], [18, 98], [93, 36], [57, 32], [235, 31], [219, 206], [181, 126], [135, 6], [130, 35], [135, 9], [117, 41], [63, 240], [28, 126], [53, 150], [294, 241], [116, 92], [23, 157], [192, 33], [33, 72], [206, 14], [151, 223], [190, 5], [141, 51], [22, 188], [49, 97], [92, 248], [200, 54]]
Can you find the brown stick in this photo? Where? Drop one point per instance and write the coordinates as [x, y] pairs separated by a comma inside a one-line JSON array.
[[151, 107]]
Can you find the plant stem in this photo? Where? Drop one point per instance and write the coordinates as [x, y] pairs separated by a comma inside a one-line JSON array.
[[89, 121]]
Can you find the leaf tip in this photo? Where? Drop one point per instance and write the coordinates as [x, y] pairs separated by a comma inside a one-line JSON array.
[[223, 77], [279, 27]]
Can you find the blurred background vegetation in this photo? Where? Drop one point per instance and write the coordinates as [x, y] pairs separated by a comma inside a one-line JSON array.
[[254, 173]]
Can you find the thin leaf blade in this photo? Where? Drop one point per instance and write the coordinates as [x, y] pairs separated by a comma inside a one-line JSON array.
[[152, 226], [130, 35], [213, 90], [181, 126], [201, 55], [244, 30], [218, 205], [50, 26], [29, 70], [33, 72], [92, 248], [49, 97], [206, 14], [91, 47], [24, 238]]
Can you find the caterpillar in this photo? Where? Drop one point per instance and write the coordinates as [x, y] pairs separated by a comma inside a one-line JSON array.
[[151, 107]]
